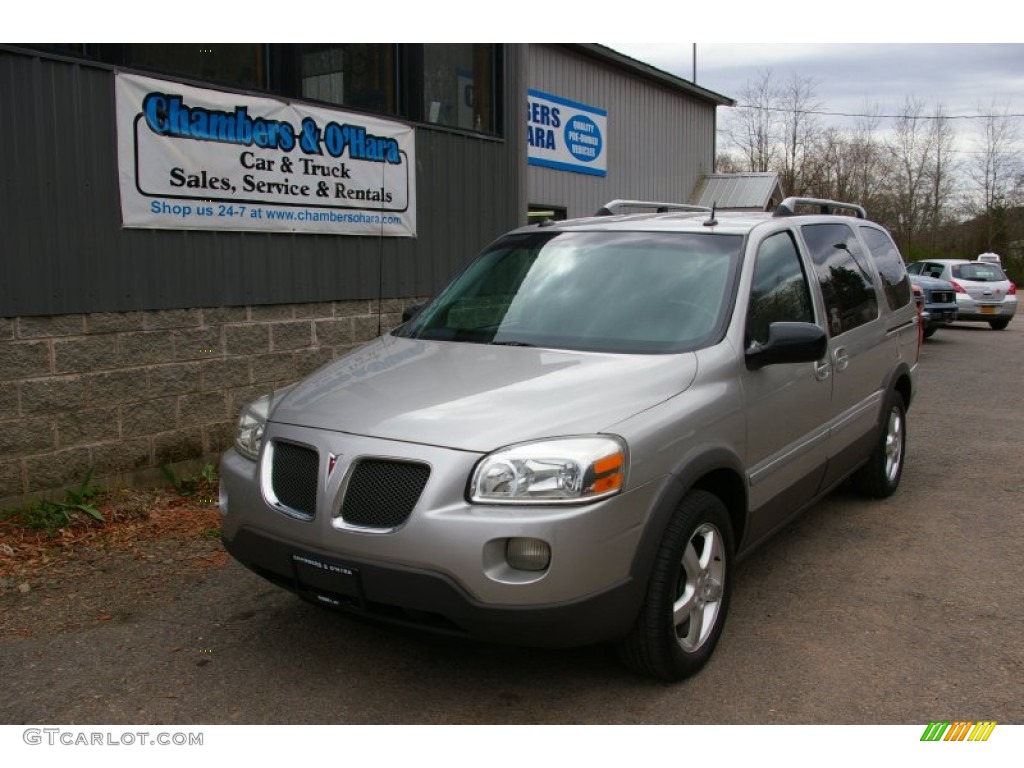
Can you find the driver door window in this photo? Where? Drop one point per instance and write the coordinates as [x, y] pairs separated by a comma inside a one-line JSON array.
[[780, 291]]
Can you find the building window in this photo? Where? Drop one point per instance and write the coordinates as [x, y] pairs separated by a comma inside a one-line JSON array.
[[238, 64], [356, 75], [458, 85], [448, 84]]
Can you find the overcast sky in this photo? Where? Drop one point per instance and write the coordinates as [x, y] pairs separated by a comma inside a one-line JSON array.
[[930, 52], [850, 76], [966, 79]]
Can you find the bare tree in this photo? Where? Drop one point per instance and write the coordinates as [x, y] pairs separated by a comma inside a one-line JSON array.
[[995, 172], [846, 165], [865, 157], [917, 158], [941, 177], [825, 168], [906, 179], [752, 126], [799, 127], [728, 163]]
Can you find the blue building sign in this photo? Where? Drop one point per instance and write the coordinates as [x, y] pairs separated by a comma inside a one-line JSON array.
[[566, 135]]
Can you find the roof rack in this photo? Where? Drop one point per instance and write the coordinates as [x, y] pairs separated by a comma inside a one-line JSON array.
[[609, 209], [788, 206]]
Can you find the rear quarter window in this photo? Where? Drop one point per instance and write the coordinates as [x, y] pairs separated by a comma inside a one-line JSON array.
[[844, 274], [889, 263]]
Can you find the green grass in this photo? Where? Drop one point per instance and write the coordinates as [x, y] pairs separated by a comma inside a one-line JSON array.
[[50, 515]]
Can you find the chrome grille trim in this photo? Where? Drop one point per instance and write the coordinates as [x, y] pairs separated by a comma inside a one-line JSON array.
[[293, 472]]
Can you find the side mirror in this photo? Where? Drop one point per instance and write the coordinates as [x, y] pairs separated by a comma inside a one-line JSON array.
[[411, 311], [788, 343]]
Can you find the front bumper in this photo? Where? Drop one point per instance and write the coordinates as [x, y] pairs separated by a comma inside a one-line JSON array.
[[936, 316], [432, 601], [444, 568]]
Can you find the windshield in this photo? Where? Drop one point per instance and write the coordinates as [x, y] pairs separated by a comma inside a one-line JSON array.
[[980, 272], [596, 291]]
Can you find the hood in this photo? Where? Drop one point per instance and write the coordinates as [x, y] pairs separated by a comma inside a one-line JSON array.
[[479, 397]]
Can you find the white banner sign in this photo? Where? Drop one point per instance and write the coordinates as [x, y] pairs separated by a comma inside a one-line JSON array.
[[565, 135], [193, 158]]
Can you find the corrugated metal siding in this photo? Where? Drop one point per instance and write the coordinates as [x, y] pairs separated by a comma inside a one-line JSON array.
[[63, 249], [660, 141]]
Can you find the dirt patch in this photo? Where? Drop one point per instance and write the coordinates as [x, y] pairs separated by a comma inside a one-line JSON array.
[[151, 543]]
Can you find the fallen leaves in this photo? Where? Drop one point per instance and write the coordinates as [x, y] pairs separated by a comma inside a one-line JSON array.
[[133, 517]]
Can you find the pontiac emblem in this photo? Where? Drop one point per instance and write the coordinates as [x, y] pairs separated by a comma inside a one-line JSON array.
[[332, 461]]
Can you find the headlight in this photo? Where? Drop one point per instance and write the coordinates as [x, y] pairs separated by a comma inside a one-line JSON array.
[[251, 423], [566, 470]]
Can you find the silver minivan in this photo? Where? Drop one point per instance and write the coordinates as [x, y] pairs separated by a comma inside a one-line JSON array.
[[575, 440]]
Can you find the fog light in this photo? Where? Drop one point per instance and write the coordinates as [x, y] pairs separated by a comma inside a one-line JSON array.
[[528, 554]]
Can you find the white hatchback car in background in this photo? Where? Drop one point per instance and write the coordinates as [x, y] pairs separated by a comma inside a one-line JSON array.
[[983, 291]]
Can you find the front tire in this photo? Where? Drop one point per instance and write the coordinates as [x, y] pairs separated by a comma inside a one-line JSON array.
[[880, 477], [688, 593]]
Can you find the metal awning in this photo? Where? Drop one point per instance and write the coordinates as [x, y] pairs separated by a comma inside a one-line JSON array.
[[739, 191]]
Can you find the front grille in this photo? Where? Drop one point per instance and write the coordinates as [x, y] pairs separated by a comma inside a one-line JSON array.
[[943, 297], [382, 494], [293, 477]]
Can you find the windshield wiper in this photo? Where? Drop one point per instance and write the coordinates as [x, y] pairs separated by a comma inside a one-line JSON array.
[[511, 344]]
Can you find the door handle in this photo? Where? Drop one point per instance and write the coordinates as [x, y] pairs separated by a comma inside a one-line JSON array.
[[841, 358], [821, 370]]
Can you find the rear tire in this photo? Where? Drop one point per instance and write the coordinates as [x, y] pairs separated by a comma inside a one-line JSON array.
[[998, 325], [687, 598], [880, 477]]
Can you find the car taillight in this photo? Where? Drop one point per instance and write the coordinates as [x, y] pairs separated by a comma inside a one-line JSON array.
[[919, 305], [959, 288], [1012, 290]]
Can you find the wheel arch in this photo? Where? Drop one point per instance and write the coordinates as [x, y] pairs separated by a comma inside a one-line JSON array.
[[719, 472], [905, 388], [900, 380]]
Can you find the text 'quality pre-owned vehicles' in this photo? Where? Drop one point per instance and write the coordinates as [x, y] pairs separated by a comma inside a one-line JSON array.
[[577, 437]]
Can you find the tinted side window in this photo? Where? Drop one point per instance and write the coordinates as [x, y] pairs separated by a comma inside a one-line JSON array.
[[844, 274], [780, 291], [890, 266]]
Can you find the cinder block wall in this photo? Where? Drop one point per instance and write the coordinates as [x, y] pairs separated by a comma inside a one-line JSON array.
[[125, 393]]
